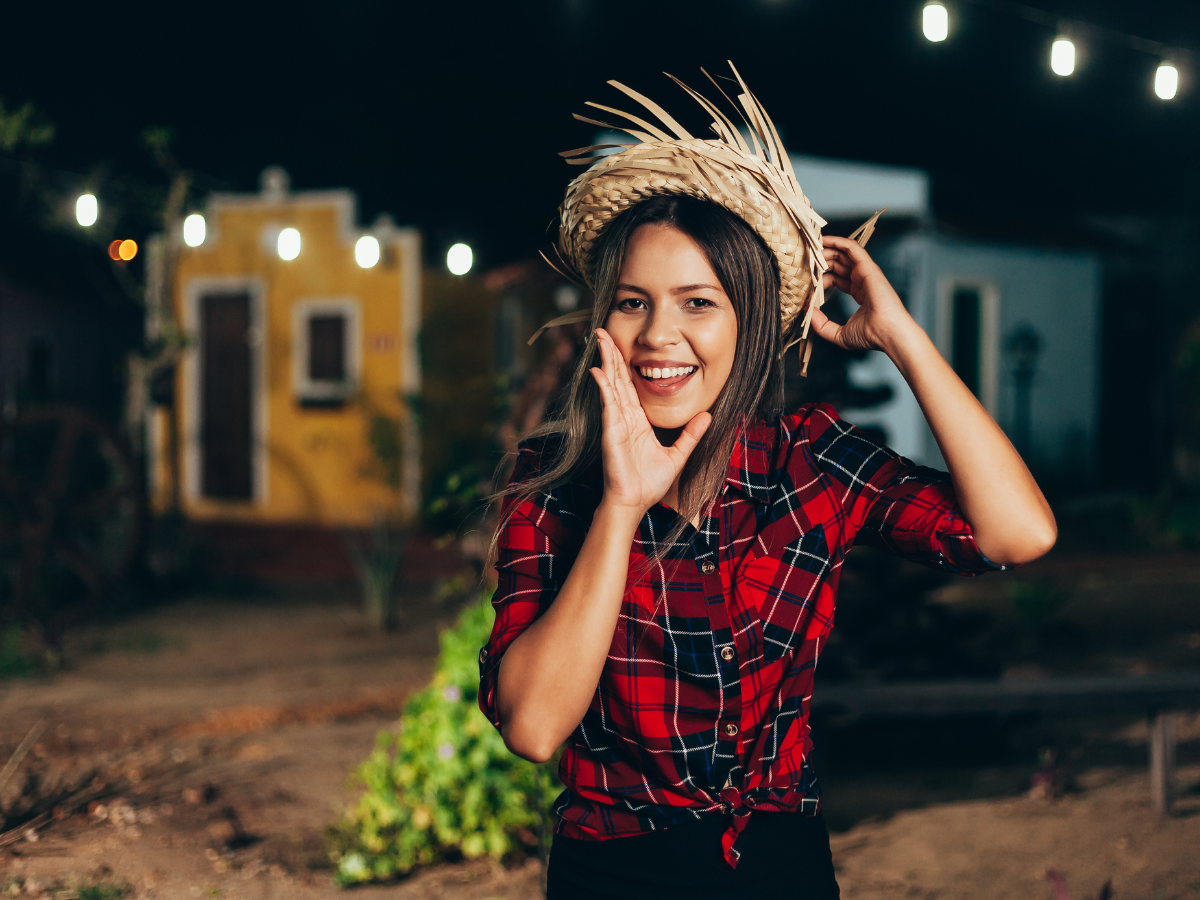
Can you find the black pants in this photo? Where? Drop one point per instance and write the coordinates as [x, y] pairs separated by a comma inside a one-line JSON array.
[[784, 855]]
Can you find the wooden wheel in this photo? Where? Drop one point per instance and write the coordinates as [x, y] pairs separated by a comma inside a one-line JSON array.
[[70, 516]]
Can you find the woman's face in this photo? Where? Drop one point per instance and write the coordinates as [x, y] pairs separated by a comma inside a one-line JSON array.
[[674, 325]]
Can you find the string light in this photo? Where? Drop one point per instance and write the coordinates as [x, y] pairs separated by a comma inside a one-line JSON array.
[[1166, 81], [1064, 51], [935, 21], [459, 259], [288, 244], [366, 251], [1062, 56], [194, 229], [87, 210]]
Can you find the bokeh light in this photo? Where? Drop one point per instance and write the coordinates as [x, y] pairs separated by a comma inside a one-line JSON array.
[[1166, 82], [459, 259], [1062, 57], [935, 22], [87, 210], [366, 251], [288, 244], [127, 250], [114, 250], [194, 230]]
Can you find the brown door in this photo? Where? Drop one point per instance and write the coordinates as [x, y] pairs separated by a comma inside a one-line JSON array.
[[226, 403]]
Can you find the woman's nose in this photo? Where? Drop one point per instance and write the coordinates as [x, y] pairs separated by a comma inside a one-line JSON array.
[[659, 330]]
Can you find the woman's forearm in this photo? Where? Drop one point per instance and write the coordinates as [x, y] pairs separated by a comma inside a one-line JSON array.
[[1008, 515], [549, 674]]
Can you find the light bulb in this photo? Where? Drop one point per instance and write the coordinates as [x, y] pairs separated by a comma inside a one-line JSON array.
[[459, 259], [194, 230], [366, 251], [935, 22], [1166, 82], [1062, 57], [288, 244], [87, 210]]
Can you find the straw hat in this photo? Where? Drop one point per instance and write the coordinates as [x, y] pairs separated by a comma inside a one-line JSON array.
[[750, 175]]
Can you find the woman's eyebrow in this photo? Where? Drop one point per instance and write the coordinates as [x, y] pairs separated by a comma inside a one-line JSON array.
[[682, 289], [687, 288], [633, 288]]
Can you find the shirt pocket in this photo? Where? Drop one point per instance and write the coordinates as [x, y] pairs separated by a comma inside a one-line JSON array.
[[788, 586]]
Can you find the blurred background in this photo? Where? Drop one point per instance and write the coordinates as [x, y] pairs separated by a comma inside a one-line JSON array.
[[267, 277]]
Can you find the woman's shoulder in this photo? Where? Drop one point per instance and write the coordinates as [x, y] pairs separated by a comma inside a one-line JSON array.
[[570, 497]]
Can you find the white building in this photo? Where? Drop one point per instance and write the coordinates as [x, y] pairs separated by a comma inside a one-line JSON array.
[[977, 301]]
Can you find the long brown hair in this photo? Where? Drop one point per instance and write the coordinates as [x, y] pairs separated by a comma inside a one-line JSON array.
[[750, 277]]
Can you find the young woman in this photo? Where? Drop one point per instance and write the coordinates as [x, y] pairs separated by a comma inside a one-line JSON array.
[[670, 550]]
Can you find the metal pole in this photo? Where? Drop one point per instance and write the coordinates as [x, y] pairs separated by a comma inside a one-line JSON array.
[[1162, 762]]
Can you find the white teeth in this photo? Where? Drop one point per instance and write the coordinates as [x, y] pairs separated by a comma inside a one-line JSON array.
[[670, 372]]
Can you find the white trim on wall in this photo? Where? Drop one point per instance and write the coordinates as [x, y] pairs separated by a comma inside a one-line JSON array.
[[989, 332], [350, 308], [193, 290], [408, 244]]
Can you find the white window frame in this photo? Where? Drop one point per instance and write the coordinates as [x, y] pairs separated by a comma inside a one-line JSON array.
[[350, 309], [989, 332]]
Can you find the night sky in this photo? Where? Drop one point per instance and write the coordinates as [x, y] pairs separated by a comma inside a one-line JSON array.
[[448, 115]]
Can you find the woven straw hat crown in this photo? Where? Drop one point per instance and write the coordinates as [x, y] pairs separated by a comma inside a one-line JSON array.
[[748, 174]]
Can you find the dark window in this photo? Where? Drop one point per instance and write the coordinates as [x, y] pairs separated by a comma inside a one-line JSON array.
[[327, 348], [37, 374], [964, 349]]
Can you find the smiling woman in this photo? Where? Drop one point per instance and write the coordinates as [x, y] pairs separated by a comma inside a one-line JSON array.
[[669, 550]]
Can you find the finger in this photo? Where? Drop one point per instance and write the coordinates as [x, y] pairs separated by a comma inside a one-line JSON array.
[[689, 437], [623, 378], [623, 405], [826, 328], [847, 247]]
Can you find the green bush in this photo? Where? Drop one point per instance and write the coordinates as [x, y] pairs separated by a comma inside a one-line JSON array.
[[442, 784]]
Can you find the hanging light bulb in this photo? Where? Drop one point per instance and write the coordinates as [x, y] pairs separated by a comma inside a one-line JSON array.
[[87, 210], [366, 251], [1062, 56], [935, 21], [1166, 81], [288, 244], [194, 230], [459, 259]]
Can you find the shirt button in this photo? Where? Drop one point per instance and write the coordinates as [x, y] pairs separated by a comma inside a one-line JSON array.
[[707, 567], [731, 729], [483, 656], [727, 653]]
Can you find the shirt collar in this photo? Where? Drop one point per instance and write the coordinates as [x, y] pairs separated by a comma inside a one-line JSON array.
[[751, 463]]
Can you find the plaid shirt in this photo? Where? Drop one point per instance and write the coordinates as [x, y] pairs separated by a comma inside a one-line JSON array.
[[703, 703]]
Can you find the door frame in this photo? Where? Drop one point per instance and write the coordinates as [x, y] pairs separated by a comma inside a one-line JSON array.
[[190, 424]]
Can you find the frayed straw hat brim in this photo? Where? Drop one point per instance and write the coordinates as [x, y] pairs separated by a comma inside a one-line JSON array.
[[750, 175]]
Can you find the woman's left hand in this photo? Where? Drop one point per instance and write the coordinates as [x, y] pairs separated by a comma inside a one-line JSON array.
[[880, 311]]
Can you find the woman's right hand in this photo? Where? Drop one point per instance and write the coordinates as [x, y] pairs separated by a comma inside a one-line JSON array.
[[638, 469]]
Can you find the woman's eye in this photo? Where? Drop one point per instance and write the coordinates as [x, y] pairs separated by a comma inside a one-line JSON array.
[[631, 303], [699, 302]]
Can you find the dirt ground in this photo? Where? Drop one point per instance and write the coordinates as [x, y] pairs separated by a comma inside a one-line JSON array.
[[202, 748]]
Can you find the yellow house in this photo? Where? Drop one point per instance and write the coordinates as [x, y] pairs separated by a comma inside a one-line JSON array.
[[291, 398]]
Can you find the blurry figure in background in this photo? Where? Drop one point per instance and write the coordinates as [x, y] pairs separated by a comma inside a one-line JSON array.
[[670, 547]]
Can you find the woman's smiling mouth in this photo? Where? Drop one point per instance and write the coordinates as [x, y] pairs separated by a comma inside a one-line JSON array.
[[664, 379]]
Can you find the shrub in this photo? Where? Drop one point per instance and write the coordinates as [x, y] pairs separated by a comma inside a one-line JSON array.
[[442, 784]]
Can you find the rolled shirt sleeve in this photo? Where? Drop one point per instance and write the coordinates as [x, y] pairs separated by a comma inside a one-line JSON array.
[[892, 502], [529, 570]]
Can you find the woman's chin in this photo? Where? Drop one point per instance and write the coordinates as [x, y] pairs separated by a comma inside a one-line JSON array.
[[669, 419]]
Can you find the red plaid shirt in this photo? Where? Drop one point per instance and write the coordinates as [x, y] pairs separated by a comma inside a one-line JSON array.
[[703, 703]]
